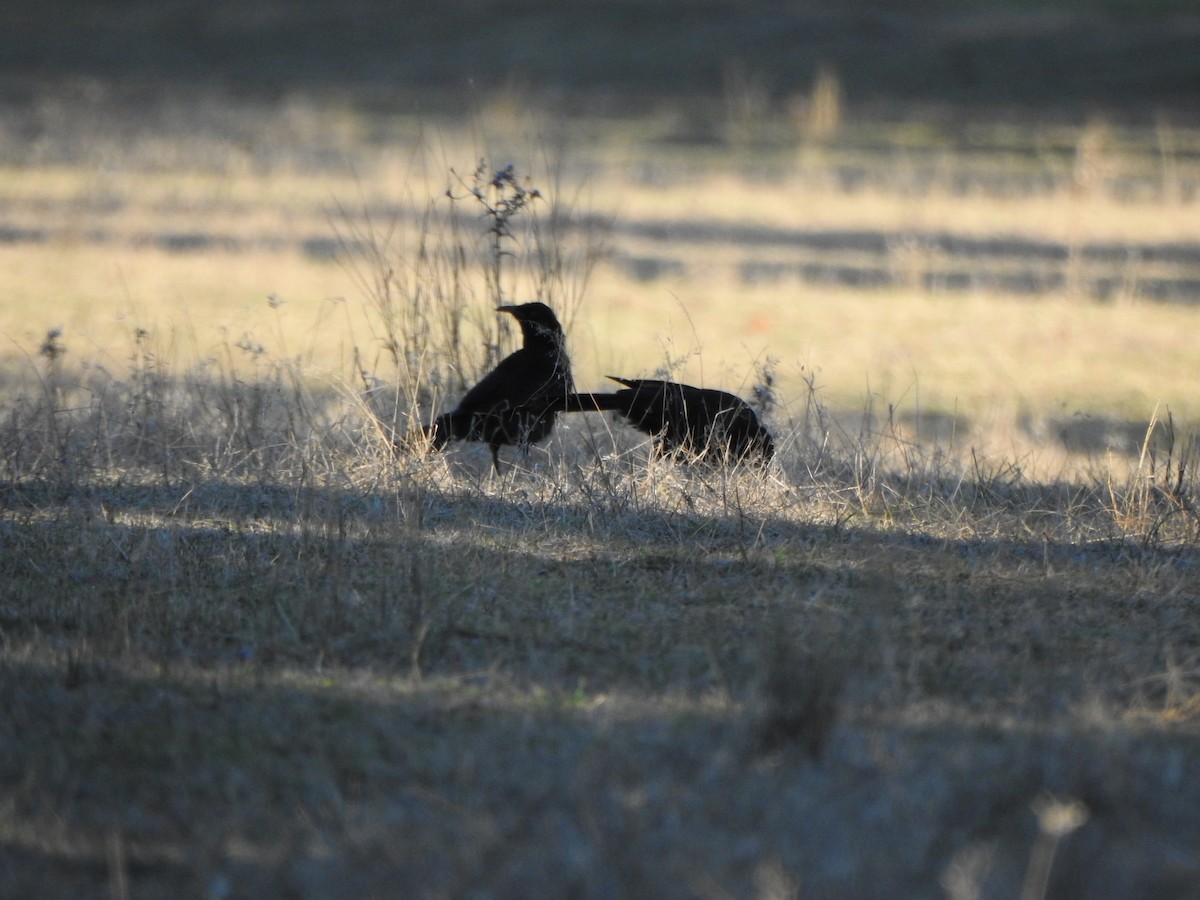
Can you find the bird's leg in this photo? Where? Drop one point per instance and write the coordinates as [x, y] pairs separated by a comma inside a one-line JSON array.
[[495, 458]]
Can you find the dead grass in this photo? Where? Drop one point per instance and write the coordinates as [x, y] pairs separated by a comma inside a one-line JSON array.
[[251, 648]]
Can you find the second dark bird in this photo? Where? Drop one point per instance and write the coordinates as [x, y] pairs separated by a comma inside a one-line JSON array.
[[515, 403], [702, 422]]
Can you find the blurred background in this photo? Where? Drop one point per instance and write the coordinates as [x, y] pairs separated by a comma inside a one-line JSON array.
[[1133, 59], [977, 219]]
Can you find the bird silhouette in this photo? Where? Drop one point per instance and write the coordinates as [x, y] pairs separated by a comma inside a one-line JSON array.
[[700, 422], [515, 403]]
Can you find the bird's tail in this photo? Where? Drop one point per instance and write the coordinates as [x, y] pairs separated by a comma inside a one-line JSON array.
[[587, 403]]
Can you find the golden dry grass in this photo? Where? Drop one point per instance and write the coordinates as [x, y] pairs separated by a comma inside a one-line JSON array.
[[967, 350], [977, 351]]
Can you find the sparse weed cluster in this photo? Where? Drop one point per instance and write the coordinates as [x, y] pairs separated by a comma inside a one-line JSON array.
[[430, 303]]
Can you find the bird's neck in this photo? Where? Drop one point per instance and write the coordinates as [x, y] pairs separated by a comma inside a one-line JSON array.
[[548, 345]]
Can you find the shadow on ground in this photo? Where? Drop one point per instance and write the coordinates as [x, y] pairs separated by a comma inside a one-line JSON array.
[[236, 689]]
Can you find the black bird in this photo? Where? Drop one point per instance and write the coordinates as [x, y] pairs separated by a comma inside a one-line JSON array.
[[514, 404], [681, 418]]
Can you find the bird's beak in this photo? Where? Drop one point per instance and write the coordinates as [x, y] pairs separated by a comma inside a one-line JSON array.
[[507, 309]]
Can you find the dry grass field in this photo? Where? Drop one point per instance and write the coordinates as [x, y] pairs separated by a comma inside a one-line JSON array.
[[255, 643], [1020, 280]]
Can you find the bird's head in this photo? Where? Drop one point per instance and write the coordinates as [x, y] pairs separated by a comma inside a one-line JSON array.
[[537, 320]]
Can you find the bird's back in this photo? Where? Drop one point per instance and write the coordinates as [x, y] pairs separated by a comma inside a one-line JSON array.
[[702, 421], [508, 405], [521, 378]]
